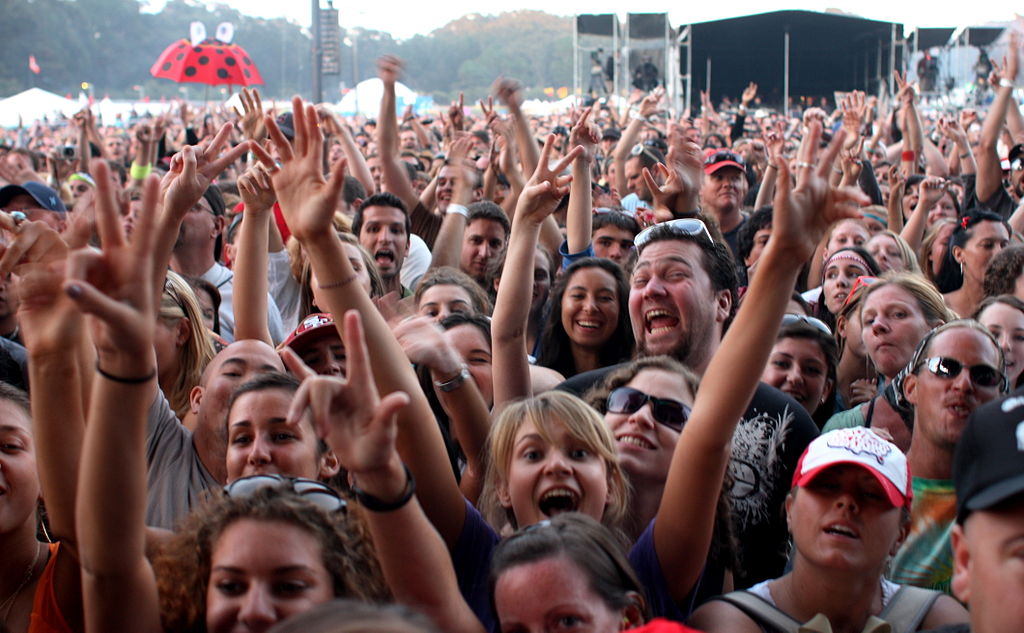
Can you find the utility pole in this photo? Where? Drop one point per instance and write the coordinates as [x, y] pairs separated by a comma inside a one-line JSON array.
[[317, 88]]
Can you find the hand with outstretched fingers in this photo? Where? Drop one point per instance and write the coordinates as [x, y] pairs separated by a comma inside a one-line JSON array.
[[545, 188], [194, 168], [251, 118], [749, 93], [358, 425], [115, 284], [802, 214], [307, 199], [853, 116]]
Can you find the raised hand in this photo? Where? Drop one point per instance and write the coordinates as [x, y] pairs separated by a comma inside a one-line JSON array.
[[251, 118], [749, 94], [803, 214], [681, 177], [257, 189], [930, 192], [307, 199], [194, 168], [348, 413], [488, 109], [586, 135], [952, 130], [545, 188], [423, 342], [853, 109], [389, 68], [904, 90], [967, 117], [650, 104], [456, 113], [115, 285], [507, 90]]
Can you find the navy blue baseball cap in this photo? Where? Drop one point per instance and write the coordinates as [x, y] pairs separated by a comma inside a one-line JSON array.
[[46, 198]]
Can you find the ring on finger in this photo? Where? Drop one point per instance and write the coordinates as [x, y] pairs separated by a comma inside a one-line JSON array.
[[19, 218], [802, 164]]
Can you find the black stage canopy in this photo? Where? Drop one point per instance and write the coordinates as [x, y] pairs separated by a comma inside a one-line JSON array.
[[827, 52]]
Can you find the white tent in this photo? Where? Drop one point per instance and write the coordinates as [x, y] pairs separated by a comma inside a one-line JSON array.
[[32, 105], [365, 98]]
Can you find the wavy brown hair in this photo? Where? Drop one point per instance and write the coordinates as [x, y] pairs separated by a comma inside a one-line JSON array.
[[182, 565]]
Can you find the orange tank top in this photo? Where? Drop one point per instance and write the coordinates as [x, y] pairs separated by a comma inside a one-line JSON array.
[[46, 615]]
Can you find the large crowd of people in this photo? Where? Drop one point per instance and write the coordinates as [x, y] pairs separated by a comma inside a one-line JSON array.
[[612, 369]]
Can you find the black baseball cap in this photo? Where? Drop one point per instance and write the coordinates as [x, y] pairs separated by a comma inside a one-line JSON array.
[[988, 466]]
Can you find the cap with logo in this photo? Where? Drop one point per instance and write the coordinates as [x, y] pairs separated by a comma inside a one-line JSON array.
[[861, 447]]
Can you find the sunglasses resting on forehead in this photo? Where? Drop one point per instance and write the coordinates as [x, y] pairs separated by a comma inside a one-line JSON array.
[[686, 226]]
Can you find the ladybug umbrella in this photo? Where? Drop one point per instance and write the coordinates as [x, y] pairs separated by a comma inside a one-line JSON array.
[[213, 62]]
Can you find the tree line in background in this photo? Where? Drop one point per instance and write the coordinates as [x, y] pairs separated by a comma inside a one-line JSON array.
[[111, 44]]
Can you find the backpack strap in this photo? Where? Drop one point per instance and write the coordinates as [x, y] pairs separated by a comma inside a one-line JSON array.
[[908, 608], [761, 611]]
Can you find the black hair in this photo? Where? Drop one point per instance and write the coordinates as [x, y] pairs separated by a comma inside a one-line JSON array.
[[821, 311], [759, 219], [487, 210], [951, 275], [716, 258], [556, 346], [352, 189], [830, 350], [383, 199], [617, 219]]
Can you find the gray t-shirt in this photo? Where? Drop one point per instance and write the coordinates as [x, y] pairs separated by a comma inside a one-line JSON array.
[[177, 478]]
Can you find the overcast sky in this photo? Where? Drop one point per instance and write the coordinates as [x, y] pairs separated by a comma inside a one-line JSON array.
[[404, 18]]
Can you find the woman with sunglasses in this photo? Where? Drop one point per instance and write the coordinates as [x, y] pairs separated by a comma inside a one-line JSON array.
[[183, 345], [670, 555], [803, 364], [848, 513]]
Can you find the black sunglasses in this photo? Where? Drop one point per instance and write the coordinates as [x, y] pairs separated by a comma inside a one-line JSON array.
[[316, 492], [670, 413], [949, 368]]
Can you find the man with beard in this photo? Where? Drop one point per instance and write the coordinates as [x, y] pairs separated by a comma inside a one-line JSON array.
[[956, 368], [382, 226], [682, 298]]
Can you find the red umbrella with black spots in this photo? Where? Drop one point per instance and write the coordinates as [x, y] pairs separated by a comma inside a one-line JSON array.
[[211, 62]]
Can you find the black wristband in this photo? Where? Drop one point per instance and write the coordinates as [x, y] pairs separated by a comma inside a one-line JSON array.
[[126, 381], [375, 504]]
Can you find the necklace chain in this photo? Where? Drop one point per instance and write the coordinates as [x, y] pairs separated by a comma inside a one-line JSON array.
[[30, 571]]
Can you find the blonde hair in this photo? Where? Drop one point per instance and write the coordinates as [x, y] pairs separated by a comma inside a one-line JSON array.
[[584, 424], [907, 255], [178, 301], [925, 252], [925, 295]]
